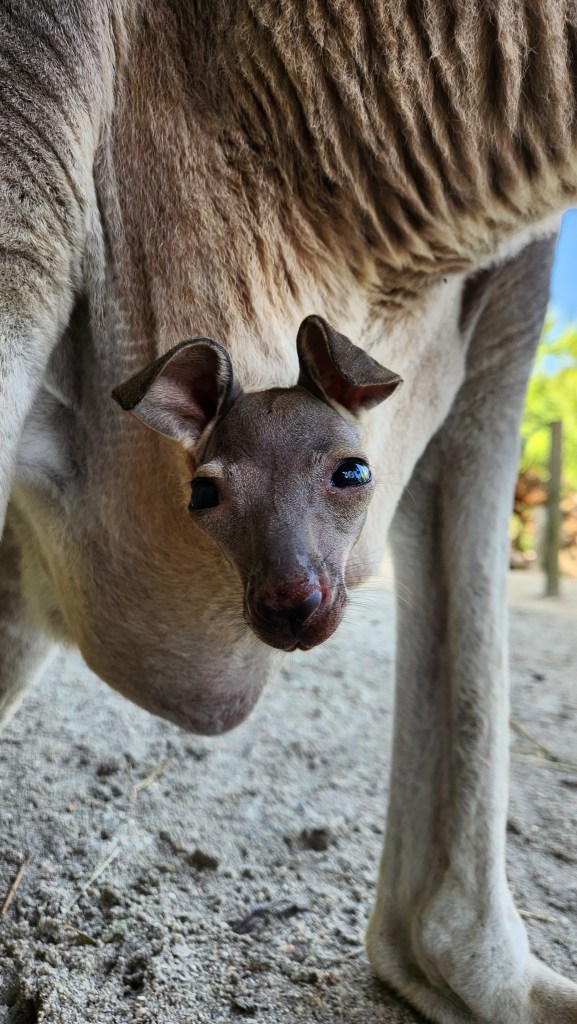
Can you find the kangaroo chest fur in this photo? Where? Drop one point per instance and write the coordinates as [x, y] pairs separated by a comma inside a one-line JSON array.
[[278, 153]]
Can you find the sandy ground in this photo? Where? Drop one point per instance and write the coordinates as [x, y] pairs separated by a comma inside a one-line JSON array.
[[188, 836]]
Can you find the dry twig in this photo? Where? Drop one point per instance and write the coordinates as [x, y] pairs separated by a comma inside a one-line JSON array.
[[522, 731], [83, 938], [545, 762], [529, 915], [151, 778], [15, 884], [275, 908], [95, 874]]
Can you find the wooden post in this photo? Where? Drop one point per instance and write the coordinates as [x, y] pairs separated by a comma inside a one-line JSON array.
[[553, 536]]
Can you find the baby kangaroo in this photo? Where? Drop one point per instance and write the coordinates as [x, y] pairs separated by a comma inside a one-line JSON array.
[[280, 480]]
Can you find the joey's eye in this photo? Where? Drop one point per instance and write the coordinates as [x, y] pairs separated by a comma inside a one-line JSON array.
[[205, 493], [351, 473]]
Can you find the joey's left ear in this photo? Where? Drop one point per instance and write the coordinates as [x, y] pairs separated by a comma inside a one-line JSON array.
[[338, 371], [184, 392]]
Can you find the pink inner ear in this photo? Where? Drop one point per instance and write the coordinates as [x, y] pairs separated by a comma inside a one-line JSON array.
[[322, 365], [339, 390], [191, 396], [188, 389], [184, 398], [174, 398], [353, 397], [334, 385]]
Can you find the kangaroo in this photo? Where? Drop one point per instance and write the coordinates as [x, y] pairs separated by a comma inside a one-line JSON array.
[[222, 169]]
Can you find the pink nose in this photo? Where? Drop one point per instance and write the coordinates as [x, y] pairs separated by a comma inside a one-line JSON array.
[[288, 618]]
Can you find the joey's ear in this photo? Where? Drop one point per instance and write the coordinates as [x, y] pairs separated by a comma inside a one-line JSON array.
[[184, 391], [338, 371]]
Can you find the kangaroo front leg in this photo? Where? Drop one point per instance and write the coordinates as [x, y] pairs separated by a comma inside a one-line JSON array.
[[444, 931], [24, 649]]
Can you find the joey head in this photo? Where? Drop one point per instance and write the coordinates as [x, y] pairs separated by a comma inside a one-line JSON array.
[[279, 477]]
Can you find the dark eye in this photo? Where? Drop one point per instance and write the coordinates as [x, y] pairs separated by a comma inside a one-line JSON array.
[[205, 493], [351, 473]]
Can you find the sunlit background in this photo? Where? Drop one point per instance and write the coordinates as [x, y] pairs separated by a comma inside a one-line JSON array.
[[564, 277], [552, 397]]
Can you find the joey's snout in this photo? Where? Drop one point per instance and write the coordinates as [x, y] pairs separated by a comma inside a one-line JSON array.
[[299, 612]]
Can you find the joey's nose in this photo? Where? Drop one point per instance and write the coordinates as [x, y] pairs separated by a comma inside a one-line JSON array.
[[290, 618]]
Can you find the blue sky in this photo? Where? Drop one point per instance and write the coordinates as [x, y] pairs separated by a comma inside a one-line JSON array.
[[564, 276]]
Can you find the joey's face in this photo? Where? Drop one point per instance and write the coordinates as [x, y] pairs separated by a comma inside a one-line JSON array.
[[283, 487], [280, 480]]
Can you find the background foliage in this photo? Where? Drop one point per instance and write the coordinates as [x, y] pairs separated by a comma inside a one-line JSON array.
[[552, 395]]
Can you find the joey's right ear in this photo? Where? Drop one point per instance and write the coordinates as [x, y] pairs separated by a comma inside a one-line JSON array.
[[340, 372], [184, 392]]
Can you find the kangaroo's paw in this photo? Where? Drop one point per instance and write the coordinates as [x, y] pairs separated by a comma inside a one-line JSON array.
[[494, 980]]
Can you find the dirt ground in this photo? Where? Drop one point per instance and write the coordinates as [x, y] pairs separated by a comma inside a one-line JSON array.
[[149, 844]]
